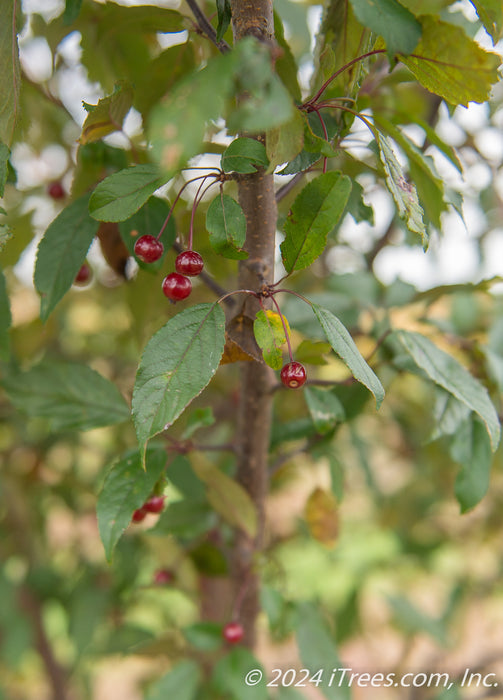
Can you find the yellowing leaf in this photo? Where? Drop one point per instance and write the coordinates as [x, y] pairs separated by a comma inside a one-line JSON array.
[[270, 336], [322, 517], [450, 64], [108, 115]]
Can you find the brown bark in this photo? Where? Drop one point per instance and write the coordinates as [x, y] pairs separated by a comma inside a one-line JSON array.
[[257, 199]]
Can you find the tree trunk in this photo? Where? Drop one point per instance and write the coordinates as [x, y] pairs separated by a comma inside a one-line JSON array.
[[257, 198]]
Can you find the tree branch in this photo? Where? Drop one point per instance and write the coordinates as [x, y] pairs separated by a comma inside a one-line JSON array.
[[206, 27]]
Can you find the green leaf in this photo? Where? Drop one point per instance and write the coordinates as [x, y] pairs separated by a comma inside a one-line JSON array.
[[10, 78], [226, 225], [268, 103], [315, 212], [120, 195], [286, 65], [423, 173], [228, 498], [149, 220], [412, 620], [490, 13], [71, 396], [404, 193], [204, 636], [61, 252], [448, 373], [177, 125], [5, 319], [224, 17], [318, 650], [177, 364], [108, 115], [186, 519], [356, 205], [4, 169], [163, 72], [198, 418], [471, 448], [231, 670], [244, 155], [285, 142], [344, 346], [450, 64], [398, 27], [126, 487], [270, 336], [181, 682], [72, 11], [325, 408]]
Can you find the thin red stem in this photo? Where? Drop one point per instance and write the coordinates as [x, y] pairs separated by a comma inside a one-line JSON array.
[[325, 133], [197, 200], [287, 334], [163, 227], [322, 89]]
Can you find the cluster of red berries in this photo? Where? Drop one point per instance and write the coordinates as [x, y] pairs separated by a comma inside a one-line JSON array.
[[177, 285], [154, 504]]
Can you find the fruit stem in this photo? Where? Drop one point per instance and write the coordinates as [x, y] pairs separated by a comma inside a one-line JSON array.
[[287, 334], [163, 227], [325, 133], [315, 98], [195, 204]]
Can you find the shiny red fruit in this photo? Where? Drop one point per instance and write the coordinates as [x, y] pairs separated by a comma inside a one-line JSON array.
[[83, 275], [139, 515], [176, 287], [233, 632], [189, 263], [56, 190], [154, 504], [293, 375], [148, 248], [163, 577]]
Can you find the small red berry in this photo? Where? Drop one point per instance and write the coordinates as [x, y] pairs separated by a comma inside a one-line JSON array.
[[83, 275], [176, 287], [293, 375], [163, 577], [189, 263], [56, 190], [148, 248], [154, 504], [139, 515], [233, 632]]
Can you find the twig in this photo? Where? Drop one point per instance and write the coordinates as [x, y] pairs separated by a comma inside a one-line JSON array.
[[206, 27], [285, 189]]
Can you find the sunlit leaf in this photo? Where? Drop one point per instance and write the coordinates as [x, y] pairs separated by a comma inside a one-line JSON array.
[[10, 77], [314, 213], [448, 373], [285, 142], [490, 13], [120, 195], [343, 344], [126, 487], [471, 448], [177, 364], [69, 395], [450, 64], [398, 27], [226, 224], [270, 336], [61, 252], [108, 115], [404, 192]]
